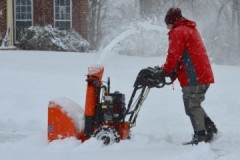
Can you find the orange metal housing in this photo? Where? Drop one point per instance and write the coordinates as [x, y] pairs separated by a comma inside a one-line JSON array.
[[59, 124], [95, 73], [124, 130]]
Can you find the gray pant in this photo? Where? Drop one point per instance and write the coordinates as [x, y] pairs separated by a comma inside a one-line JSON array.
[[193, 96]]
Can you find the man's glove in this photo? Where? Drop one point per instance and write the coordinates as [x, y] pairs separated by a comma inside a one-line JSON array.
[[159, 75], [163, 74], [173, 76]]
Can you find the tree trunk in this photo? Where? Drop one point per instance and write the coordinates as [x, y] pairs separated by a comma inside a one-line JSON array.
[[235, 27], [238, 19], [96, 13], [147, 8], [92, 16]]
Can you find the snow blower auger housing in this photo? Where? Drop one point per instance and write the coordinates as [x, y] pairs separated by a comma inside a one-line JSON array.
[[106, 116]]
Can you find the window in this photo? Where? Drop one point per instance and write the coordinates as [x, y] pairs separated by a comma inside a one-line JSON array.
[[62, 15], [23, 17]]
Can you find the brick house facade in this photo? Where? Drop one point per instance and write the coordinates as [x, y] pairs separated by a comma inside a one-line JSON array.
[[64, 14]]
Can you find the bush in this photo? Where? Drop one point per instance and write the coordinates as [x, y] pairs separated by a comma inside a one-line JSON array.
[[48, 38]]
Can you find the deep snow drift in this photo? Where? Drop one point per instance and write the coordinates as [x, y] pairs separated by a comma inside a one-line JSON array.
[[30, 79]]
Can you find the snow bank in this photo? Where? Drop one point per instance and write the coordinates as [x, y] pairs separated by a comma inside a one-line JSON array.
[[29, 79]]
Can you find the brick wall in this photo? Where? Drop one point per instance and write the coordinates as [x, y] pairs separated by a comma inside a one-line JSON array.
[[49, 15], [3, 18], [37, 12], [43, 12], [80, 8]]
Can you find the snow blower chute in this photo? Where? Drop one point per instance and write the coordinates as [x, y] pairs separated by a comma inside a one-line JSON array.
[[106, 115]]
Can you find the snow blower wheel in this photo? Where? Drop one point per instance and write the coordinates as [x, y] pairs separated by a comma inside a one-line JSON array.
[[107, 134]]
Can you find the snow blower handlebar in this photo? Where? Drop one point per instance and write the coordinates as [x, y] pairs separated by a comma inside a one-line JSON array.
[[144, 82], [146, 77]]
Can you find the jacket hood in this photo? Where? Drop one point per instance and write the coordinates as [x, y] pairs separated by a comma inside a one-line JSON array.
[[184, 22]]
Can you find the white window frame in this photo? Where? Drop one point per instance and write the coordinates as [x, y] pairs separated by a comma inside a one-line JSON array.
[[55, 20], [15, 18]]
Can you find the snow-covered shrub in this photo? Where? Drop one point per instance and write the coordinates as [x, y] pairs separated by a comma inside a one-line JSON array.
[[49, 38]]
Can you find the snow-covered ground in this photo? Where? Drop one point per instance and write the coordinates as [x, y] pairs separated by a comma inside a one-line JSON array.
[[30, 79]]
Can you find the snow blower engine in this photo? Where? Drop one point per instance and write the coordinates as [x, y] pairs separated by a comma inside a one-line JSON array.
[[106, 115]]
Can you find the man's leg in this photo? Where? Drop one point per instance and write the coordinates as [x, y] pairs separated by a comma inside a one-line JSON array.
[[193, 96]]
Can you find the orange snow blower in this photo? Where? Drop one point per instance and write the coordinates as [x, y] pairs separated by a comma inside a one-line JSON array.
[[106, 116]]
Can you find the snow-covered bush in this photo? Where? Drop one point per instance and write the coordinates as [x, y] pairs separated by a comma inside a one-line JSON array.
[[49, 38]]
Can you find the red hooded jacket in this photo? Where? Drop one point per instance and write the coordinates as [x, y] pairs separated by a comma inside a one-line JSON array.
[[187, 55]]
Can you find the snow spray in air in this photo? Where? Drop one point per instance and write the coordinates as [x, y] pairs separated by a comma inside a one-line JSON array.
[[134, 29]]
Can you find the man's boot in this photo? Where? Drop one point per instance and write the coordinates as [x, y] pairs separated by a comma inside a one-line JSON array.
[[211, 129], [199, 136]]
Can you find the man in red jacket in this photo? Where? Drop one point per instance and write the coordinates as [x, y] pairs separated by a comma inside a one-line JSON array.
[[188, 59]]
